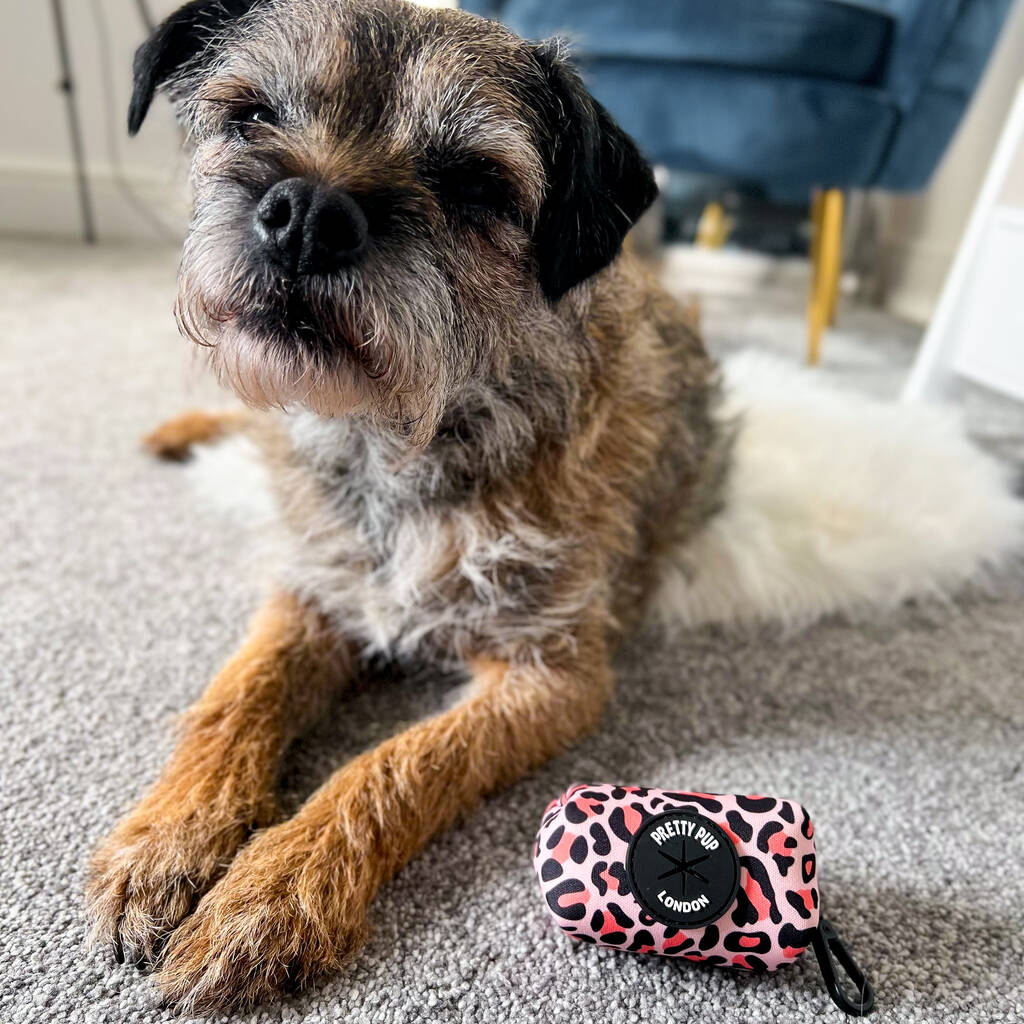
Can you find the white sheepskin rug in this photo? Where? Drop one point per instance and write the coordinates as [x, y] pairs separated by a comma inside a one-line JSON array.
[[838, 503]]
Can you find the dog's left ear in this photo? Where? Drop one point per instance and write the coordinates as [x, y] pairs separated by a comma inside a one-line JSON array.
[[175, 43], [598, 183]]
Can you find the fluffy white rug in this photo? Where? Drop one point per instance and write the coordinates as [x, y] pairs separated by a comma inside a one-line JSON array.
[[838, 502]]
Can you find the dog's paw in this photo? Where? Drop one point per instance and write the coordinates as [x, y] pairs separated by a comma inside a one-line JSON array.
[[285, 915], [145, 878], [173, 440]]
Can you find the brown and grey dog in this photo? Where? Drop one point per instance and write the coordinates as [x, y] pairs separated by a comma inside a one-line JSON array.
[[482, 424]]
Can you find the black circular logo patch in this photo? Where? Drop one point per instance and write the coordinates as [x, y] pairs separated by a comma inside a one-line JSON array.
[[683, 869]]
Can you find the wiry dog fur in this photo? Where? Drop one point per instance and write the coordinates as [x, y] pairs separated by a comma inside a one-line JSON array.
[[480, 436]]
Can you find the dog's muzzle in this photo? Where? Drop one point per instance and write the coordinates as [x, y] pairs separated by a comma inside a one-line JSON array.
[[304, 227]]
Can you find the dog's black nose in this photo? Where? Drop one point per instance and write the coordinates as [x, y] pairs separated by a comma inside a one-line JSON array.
[[308, 228]]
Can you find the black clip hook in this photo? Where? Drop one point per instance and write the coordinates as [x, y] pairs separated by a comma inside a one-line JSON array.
[[827, 945]]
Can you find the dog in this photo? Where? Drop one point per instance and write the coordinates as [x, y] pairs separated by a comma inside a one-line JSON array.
[[483, 424], [491, 442]]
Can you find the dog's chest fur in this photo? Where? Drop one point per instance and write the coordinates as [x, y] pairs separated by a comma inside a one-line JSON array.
[[404, 561]]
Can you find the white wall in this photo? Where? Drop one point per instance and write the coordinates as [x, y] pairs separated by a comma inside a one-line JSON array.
[[37, 193], [920, 234]]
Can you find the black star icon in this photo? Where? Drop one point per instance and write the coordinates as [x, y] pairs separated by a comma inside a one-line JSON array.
[[683, 867]]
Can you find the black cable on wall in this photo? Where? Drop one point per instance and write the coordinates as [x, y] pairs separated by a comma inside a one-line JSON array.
[[147, 18]]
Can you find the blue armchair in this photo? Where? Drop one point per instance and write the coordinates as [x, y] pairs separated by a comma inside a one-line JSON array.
[[790, 94]]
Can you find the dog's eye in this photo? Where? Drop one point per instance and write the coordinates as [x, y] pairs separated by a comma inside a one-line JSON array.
[[476, 190], [476, 187], [245, 121]]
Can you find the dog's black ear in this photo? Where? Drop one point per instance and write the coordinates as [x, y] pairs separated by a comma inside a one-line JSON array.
[[180, 39], [598, 183]]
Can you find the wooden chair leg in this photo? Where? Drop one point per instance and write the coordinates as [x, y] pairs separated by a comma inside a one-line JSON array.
[[714, 227], [826, 266], [835, 217]]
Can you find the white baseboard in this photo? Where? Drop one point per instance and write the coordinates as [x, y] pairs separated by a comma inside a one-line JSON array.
[[42, 201]]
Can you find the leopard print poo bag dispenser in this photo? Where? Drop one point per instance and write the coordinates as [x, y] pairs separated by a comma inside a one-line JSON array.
[[724, 880]]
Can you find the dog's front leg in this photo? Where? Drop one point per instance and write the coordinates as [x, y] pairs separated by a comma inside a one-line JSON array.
[[293, 905], [220, 782]]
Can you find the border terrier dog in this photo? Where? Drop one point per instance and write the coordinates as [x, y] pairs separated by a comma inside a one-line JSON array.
[[482, 423], [487, 435]]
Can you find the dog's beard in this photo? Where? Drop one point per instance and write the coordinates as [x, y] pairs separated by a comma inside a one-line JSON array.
[[374, 342]]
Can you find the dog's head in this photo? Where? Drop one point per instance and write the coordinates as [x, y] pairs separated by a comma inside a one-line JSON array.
[[384, 196]]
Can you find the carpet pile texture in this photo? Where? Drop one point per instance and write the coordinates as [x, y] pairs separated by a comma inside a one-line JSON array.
[[120, 597]]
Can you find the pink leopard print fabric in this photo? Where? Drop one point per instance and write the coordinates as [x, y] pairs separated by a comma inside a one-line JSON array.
[[580, 856]]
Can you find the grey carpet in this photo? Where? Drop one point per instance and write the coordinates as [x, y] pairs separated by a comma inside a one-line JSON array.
[[119, 598]]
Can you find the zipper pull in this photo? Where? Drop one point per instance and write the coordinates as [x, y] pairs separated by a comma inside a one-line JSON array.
[[828, 945]]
